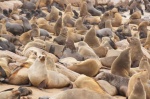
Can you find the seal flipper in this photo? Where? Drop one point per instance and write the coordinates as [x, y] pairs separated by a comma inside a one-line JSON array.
[[42, 84]]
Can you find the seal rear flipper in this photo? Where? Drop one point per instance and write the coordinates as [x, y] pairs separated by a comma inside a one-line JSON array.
[[42, 84], [28, 85]]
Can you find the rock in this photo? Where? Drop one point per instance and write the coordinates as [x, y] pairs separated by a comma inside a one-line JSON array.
[[107, 87], [107, 61]]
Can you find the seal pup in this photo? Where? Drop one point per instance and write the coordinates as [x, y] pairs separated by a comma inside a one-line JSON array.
[[121, 83]]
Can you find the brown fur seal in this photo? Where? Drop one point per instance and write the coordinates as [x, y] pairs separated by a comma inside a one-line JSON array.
[[121, 65], [117, 20], [142, 28], [62, 3], [144, 64], [47, 78], [75, 37], [53, 15], [91, 39], [136, 15], [135, 4], [69, 9], [88, 67], [86, 51], [25, 38], [11, 39], [121, 83], [138, 91], [68, 20], [79, 24], [104, 18], [55, 49], [26, 24], [123, 31], [82, 93], [143, 75], [84, 10], [58, 26], [87, 82], [134, 43], [100, 51], [93, 11], [61, 38], [19, 75], [70, 50]]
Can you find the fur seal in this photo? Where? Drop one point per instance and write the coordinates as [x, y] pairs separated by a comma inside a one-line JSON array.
[[11, 39], [93, 11], [6, 45], [70, 50], [79, 24], [82, 93], [100, 51], [144, 64], [121, 65], [26, 24], [48, 78], [104, 18], [87, 82], [84, 10], [86, 51], [88, 67], [104, 32], [68, 20], [61, 38], [138, 91], [135, 4], [58, 26], [136, 15], [117, 20], [143, 75], [123, 31], [134, 43], [91, 39], [53, 15], [121, 83], [142, 28]]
